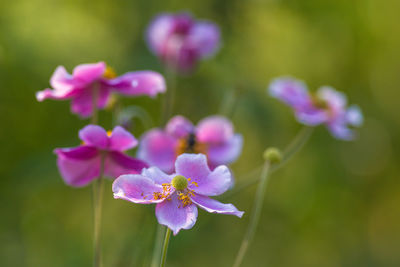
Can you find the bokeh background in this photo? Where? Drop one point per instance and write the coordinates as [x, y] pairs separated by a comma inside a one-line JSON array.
[[335, 204]]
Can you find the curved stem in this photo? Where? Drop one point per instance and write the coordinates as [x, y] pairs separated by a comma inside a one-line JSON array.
[[295, 146], [165, 247], [255, 215], [97, 209], [157, 245]]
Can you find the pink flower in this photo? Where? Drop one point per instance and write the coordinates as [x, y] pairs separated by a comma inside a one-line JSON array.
[[100, 149], [327, 106], [89, 81], [213, 136], [180, 41], [178, 195]]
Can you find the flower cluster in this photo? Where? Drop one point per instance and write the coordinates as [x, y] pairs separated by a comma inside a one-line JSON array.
[[181, 166]]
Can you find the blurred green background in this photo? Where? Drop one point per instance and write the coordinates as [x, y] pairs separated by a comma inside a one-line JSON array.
[[335, 204]]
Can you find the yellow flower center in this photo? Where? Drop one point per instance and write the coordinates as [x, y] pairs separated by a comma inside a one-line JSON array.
[[109, 133], [190, 145], [109, 73], [319, 103]]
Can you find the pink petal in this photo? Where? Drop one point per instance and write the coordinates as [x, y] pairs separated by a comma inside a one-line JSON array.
[[195, 167], [336, 100], [158, 149], [78, 166], [94, 135], [139, 83], [87, 73], [227, 152], [159, 31], [214, 206], [172, 214], [117, 163], [179, 127], [206, 37], [82, 103], [158, 176], [136, 188], [214, 129], [291, 91], [122, 140]]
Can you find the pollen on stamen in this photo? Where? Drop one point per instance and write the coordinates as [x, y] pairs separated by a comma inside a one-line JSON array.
[[109, 133]]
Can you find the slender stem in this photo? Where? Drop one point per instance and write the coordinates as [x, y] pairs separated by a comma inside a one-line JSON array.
[[255, 215], [97, 208], [169, 97], [165, 247], [228, 104], [295, 146], [157, 245]]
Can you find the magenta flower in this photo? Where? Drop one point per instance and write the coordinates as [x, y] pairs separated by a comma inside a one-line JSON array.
[[178, 195], [213, 136], [180, 41], [100, 150], [89, 81], [327, 106]]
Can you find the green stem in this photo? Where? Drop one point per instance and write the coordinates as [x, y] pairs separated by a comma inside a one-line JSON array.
[[165, 247], [228, 103], [157, 245], [255, 216], [97, 208], [295, 146]]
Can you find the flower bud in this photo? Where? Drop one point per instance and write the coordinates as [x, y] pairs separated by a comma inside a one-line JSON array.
[[273, 155]]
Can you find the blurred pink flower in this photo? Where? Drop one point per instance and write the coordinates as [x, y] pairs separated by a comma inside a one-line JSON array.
[[89, 81], [180, 41], [213, 136], [100, 149]]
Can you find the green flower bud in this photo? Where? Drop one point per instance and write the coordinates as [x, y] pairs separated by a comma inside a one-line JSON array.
[[273, 155]]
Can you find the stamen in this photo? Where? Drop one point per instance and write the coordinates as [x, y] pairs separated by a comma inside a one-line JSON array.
[[109, 73]]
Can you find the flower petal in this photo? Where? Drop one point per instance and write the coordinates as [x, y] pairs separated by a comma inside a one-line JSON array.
[[139, 83], [225, 153], [78, 166], [87, 73], [336, 100], [354, 116], [179, 127], [136, 188], [214, 129], [214, 206], [172, 214], [117, 163], [195, 167], [206, 37], [158, 149], [122, 140], [312, 116], [159, 31], [290, 91], [158, 176], [94, 135], [339, 130]]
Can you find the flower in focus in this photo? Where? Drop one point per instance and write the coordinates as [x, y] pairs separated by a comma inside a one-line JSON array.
[[93, 83], [178, 195], [213, 136], [180, 41], [100, 153], [327, 106]]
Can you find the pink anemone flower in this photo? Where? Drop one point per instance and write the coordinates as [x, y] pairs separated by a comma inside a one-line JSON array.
[[213, 136], [180, 41], [327, 106], [100, 151], [178, 195], [94, 83]]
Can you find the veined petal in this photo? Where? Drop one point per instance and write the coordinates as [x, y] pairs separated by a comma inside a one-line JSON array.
[[94, 135], [139, 83], [158, 176], [214, 206], [227, 152], [158, 149], [122, 140], [136, 188], [214, 129], [117, 163], [78, 166], [195, 167], [87, 73], [179, 127], [172, 214]]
